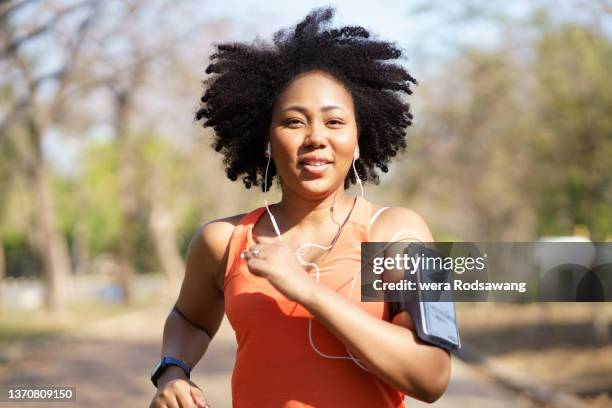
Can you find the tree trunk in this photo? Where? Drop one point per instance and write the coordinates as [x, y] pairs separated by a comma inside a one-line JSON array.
[[2, 271], [128, 204], [49, 243], [80, 248], [125, 273], [163, 235], [127, 207]]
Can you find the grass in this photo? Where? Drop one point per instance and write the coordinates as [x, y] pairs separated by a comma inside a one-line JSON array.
[[26, 326]]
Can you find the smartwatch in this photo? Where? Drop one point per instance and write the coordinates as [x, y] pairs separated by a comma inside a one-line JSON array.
[[164, 363]]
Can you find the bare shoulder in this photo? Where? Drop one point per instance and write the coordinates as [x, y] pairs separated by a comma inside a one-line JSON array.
[[395, 219], [214, 236], [201, 294], [207, 254]]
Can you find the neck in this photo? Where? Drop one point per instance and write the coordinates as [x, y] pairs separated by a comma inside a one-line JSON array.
[[296, 209]]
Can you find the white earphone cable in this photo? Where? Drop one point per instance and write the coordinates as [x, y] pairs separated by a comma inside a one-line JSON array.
[[298, 254], [357, 176], [266, 201]]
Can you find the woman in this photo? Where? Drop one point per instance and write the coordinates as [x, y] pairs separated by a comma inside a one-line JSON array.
[[321, 108]]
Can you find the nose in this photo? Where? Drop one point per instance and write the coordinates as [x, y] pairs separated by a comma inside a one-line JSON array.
[[316, 136]]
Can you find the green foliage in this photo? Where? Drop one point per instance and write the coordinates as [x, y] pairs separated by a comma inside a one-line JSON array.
[[21, 260], [158, 170], [511, 143], [572, 154], [97, 196], [511, 147]]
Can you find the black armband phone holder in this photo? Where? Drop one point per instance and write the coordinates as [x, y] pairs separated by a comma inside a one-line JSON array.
[[435, 322]]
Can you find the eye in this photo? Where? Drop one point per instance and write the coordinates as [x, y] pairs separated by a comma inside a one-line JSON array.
[[335, 122], [293, 123]]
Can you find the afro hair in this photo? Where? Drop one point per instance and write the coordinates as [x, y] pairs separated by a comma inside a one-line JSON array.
[[247, 78]]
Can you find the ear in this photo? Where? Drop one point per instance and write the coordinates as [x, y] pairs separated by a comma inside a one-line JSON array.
[[356, 154]]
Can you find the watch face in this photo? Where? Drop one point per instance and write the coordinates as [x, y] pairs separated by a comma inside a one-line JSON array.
[[159, 363]]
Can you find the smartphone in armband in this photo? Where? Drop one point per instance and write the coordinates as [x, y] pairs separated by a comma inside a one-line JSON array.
[[432, 311]]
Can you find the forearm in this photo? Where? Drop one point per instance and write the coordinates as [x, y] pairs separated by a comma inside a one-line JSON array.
[[183, 340], [390, 351]]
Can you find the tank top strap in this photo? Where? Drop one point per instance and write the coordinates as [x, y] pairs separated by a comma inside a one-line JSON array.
[[237, 242], [369, 216], [363, 216], [377, 213], [252, 217]]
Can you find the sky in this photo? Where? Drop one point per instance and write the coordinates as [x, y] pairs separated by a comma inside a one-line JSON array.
[[429, 32], [390, 20]]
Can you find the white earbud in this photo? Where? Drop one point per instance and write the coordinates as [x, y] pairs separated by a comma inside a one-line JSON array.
[[355, 157], [298, 253], [268, 152]]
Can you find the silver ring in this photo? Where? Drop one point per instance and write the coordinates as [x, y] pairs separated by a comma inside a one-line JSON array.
[[256, 252]]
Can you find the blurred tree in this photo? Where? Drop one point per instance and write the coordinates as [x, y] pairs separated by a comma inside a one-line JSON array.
[[571, 152], [164, 169], [60, 57], [466, 152], [37, 112], [130, 74], [513, 141]]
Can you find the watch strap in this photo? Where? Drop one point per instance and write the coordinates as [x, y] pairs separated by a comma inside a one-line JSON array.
[[169, 361]]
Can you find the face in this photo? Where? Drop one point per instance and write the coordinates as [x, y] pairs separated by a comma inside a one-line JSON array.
[[313, 133]]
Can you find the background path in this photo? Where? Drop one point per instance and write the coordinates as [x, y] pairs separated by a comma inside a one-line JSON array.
[[109, 363]]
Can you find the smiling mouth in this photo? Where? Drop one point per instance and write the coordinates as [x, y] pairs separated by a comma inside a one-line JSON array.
[[314, 163], [315, 167]]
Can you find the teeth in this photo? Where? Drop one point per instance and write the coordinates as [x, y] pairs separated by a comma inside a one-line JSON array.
[[316, 163]]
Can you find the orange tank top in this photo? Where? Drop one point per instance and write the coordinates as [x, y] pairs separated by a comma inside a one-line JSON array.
[[275, 363]]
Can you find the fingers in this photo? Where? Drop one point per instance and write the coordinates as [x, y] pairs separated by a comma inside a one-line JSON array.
[[185, 400], [265, 251], [173, 403], [198, 398], [255, 252], [164, 402], [248, 255], [167, 400], [267, 240], [256, 266], [180, 394], [180, 389]]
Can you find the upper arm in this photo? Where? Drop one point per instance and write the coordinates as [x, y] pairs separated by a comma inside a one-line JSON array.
[[200, 299], [392, 221], [388, 227]]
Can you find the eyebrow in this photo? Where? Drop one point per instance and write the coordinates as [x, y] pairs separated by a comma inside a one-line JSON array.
[[303, 110]]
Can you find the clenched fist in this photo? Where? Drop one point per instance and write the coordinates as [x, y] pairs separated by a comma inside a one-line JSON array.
[[278, 263], [179, 393]]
